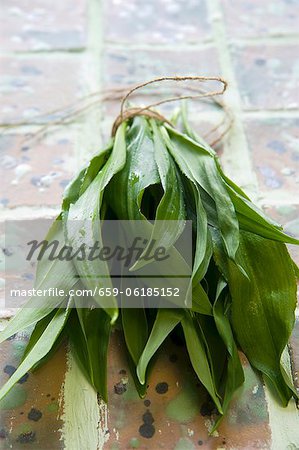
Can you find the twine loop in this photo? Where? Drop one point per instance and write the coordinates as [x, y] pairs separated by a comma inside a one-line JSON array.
[[129, 113]]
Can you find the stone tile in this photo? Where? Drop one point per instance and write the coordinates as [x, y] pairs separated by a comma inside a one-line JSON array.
[[29, 413], [126, 67], [180, 417], [35, 173], [294, 351], [42, 25], [274, 151], [267, 76], [288, 217], [34, 85], [247, 18], [156, 22]]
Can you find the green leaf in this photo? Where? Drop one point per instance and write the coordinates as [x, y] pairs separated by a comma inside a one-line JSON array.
[[56, 273], [82, 180], [170, 213], [203, 245], [198, 357], [71, 192], [40, 349], [166, 321], [135, 329], [126, 189], [263, 303], [254, 220], [38, 331], [83, 225], [96, 328], [200, 167], [234, 377], [200, 300]]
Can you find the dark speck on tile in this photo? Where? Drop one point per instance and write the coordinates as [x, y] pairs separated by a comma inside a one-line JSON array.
[[120, 388], [24, 438], [147, 403], [24, 378], [63, 141], [148, 418], [277, 146], [147, 430], [200, 442], [34, 414], [162, 388], [9, 370], [30, 70], [28, 276], [3, 433], [35, 181], [11, 338], [260, 62], [64, 183], [7, 252]]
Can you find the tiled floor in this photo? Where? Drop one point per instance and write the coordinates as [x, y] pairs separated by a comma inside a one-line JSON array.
[[52, 54]]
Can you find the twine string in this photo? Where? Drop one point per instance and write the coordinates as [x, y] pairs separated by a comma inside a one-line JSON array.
[[72, 111]]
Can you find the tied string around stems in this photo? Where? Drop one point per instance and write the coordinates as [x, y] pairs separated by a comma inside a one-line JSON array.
[[128, 113], [70, 113]]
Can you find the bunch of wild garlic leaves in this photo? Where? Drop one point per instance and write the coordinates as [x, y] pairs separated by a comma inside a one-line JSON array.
[[243, 279]]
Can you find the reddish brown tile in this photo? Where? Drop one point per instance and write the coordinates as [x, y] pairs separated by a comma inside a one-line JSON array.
[[267, 76], [41, 25], [35, 173], [274, 148], [247, 18], [156, 22], [29, 413], [34, 85], [123, 67]]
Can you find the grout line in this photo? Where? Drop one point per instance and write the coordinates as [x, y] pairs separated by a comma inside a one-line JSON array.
[[269, 40], [29, 212], [85, 418], [201, 45], [90, 138], [44, 53], [265, 40], [271, 114], [236, 158], [278, 198], [283, 421]]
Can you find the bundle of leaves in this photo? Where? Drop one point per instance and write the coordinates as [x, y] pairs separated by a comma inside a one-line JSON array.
[[243, 279]]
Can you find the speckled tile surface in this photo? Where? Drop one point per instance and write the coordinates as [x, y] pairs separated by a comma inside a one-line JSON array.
[[175, 415], [52, 53], [122, 67], [247, 18], [35, 26], [29, 414], [274, 149], [156, 22], [31, 169], [255, 65], [32, 86]]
